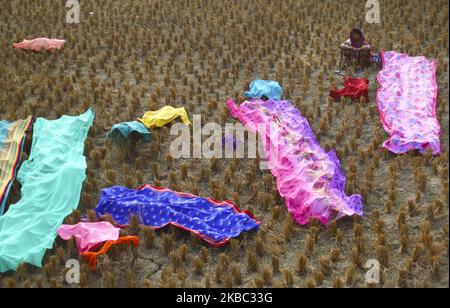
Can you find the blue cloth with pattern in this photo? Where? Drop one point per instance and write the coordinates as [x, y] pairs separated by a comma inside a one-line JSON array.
[[214, 221], [264, 89], [126, 128]]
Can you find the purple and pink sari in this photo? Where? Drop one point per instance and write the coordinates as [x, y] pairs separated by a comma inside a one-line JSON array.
[[311, 180]]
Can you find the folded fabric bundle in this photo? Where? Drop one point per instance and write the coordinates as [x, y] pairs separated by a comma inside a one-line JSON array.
[[311, 180], [163, 116], [51, 182], [89, 235], [353, 88], [213, 221], [125, 129], [91, 257], [39, 44], [12, 136], [264, 89], [406, 103]]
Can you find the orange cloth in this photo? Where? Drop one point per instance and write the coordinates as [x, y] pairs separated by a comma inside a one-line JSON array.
[[39, 44], [91, 257]]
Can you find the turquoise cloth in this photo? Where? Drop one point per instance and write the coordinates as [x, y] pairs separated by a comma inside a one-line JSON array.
[[126, 128], [264, 89], [51, 182]]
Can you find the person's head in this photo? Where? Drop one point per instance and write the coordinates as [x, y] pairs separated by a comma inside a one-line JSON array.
[[356, 35]]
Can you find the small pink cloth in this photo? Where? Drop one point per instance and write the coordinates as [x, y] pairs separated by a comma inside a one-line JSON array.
[[39, 44], [89, 235]]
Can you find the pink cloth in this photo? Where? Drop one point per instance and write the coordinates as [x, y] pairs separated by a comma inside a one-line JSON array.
[[39, 44], [311, 180], [406, 103], [89, 235]]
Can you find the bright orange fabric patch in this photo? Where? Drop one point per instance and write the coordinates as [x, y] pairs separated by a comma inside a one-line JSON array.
[[91, 257]]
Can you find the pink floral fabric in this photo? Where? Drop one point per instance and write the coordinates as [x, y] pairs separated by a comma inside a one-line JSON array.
[[310, 179], [406, 103]]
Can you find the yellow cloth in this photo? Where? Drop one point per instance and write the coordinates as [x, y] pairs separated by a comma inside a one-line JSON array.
[[163, 116]]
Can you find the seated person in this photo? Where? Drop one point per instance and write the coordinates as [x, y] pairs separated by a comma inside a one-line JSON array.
[[356, 50]]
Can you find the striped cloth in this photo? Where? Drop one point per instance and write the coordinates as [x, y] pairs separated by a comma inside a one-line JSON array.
[[12, 135]]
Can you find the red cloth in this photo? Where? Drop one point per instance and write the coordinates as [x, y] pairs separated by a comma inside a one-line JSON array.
[[354, 88]]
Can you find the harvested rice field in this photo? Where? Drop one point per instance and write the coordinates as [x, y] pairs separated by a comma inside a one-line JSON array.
[[126, 57]]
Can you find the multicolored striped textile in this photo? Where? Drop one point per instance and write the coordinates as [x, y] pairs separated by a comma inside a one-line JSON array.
[[12, 136]]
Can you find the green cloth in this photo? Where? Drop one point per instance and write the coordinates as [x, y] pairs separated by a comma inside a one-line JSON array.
[[51, 182]]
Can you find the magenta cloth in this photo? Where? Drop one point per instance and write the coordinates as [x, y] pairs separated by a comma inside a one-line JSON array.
[[406, 103], [311, 180], [89, 235]]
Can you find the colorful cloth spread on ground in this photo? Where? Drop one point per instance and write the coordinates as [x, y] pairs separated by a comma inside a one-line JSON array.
[[51, 182], [91, 257], [353, 88], [39, 44], [89, 235], [163, 116], [311, 180], [12, 136], [406, 102], [264, 88], [213, 221], [127, 128]]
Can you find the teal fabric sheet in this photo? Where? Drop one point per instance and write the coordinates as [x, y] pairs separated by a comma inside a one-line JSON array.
[[126, 128], [51, 182]]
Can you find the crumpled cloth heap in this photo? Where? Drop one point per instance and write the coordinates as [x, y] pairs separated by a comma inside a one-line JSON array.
[[406, 103], [89, 235], [264, 89], [164, 116], [353, 88], [125, 129], [213, 221], [311, 180], [39, 44]]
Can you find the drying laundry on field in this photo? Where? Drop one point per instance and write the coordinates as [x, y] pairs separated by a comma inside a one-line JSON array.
[[51, 182], [124, 130], [39, 44], [311, 180], [164, 116], [91, 257], [12, 136], [89, 235], [213, 221], [264, 89], [354, 88], [406, 103]]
